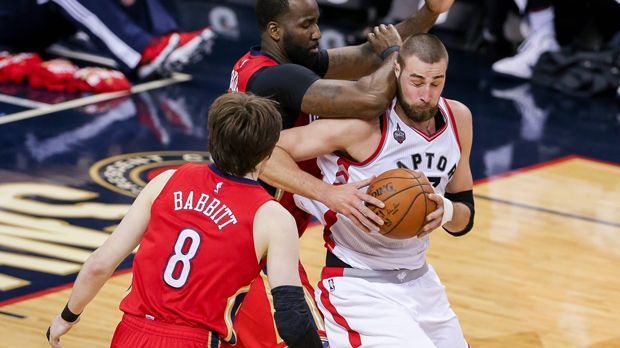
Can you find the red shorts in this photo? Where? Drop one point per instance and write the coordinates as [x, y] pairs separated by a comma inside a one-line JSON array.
[[135, 332], [254, 323]]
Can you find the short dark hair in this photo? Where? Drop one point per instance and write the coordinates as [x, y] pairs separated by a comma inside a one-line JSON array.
[[427, 47], [269, 10], [243, 131]]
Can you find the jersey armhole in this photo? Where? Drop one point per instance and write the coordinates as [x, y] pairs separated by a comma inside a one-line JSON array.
[[169, 183], [454, 125], [263, 261], [249, 83], [383, 122]]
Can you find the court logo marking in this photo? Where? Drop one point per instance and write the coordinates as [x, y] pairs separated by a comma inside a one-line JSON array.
[[127, 174]]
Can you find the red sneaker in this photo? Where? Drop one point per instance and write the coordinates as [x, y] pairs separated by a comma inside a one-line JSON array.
[[55, 75], [17, 67], [193, 46], [155, 54], [100, 80]]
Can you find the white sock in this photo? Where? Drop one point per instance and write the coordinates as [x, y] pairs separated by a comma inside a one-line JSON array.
[[541, 20]]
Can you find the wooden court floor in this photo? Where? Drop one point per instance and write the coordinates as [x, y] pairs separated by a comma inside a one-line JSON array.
[[540, 269]]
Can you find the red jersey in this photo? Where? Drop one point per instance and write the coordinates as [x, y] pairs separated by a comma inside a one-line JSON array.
[[197, 257], [244, 69], [255, 321]]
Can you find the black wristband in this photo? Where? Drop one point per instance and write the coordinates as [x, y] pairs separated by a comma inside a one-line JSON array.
[[69, 316], [386, 52]]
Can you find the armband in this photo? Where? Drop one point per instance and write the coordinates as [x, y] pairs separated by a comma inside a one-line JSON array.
[[69, 316], [292, 318], [386, 52], [466, 198]]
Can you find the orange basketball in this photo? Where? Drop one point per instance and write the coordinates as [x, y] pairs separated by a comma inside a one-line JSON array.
[[405, 194]]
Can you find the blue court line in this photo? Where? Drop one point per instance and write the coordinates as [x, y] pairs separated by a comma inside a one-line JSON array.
[[14, 315], [550, 211]]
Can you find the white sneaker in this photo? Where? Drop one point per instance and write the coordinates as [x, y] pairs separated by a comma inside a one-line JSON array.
[[522, 64]]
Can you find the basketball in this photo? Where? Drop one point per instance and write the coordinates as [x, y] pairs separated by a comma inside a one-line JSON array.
[[405, 194]]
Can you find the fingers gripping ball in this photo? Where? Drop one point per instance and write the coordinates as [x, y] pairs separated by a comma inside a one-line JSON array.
[[405, 194]]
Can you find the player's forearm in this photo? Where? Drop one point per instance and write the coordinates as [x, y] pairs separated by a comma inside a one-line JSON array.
[[89, 281], [421, 22], [352, 62], [460, 218], [282, 172], [382, 85]]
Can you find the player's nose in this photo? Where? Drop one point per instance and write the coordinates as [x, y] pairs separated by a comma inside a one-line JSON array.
[[316, 33], [425, 94]]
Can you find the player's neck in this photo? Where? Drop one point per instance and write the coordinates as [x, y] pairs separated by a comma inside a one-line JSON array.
[[427, 127], [272, 49], [253, 175]]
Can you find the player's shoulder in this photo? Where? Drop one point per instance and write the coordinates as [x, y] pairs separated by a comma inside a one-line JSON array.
[[280, 78], [347, 130], [155, 186], [273, 209], [288, 69], [274, 217], [352, 125], [162, 178], [462, 114]]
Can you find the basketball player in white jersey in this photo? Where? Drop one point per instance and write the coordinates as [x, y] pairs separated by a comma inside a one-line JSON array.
[[376, 291]]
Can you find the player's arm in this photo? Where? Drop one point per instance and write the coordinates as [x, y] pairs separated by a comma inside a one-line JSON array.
[[103, 261], [298, 88], [371, 93], [352, 62], [275, 234], [459, 192], [318, 138]]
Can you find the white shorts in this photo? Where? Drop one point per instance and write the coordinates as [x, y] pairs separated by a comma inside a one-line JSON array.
[[365, 312]]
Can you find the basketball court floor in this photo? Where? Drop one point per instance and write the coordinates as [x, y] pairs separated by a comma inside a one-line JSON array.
[[540, 269]]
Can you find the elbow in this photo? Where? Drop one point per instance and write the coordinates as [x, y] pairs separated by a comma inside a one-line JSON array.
[[465, 230], [97, 267], [380, 103], [373, 106], [377, 98]]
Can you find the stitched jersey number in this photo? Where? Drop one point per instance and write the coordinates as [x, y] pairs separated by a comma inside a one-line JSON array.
[[183, 258]]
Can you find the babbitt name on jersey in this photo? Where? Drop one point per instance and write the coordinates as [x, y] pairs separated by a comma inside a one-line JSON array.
[[217, 211]]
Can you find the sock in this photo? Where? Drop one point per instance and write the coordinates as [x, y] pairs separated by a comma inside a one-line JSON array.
[[542, 19]]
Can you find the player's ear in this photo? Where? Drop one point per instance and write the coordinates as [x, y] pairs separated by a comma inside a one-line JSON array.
[[274, 30], [396, 69]]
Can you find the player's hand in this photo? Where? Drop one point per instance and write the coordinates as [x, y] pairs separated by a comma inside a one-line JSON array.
[[384, 36], [57, 328], [439, 6], [433, 220], [350, 202]]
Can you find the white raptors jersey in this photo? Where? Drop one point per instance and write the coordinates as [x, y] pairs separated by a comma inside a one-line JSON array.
[[401, 146]]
